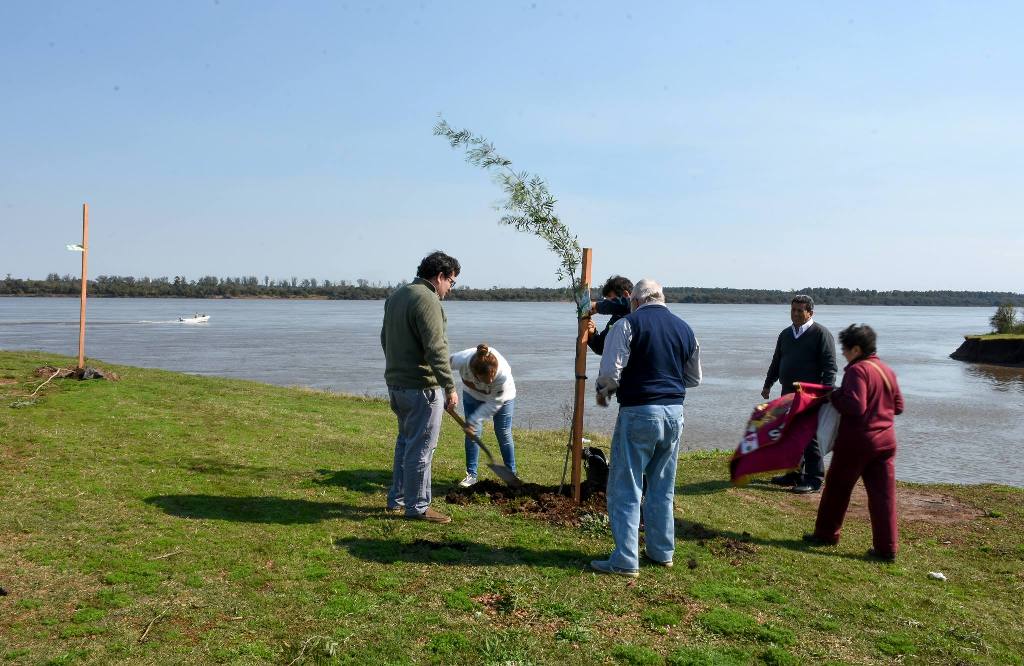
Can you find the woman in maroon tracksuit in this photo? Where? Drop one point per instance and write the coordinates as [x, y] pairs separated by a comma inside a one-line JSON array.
[[868, 401]]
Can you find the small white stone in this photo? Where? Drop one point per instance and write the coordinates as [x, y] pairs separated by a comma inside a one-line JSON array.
[[936, 575]]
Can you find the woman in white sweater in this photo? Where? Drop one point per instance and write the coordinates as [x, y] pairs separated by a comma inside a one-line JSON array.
[[489, 392]]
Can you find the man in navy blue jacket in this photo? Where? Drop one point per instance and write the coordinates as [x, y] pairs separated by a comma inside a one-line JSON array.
[[650, 358]]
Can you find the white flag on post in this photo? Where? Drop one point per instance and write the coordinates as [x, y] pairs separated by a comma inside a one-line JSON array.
[[75, 247]]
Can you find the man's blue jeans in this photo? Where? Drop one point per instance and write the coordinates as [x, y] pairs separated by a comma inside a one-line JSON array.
[[502, 429], [645, 442], [419, 424]]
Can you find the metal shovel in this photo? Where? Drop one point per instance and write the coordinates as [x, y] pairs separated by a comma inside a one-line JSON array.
[[502, 472]]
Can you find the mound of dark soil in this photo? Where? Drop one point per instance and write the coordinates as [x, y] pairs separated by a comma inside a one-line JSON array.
[[87, 372], [534, 500]]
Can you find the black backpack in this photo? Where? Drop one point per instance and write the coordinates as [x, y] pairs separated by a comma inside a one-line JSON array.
[[596, 466]]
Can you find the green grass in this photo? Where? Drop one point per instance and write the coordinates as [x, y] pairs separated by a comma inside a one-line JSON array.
[[996, 336], [169, 518]]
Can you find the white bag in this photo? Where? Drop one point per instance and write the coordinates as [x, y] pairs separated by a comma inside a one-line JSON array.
[[828, 426]]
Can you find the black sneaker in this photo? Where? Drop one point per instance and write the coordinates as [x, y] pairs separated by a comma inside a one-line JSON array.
[[806, 489], [873, 554], [787, 479], [816, 540]]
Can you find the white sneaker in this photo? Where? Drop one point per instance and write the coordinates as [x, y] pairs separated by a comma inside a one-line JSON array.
[[468, 481]]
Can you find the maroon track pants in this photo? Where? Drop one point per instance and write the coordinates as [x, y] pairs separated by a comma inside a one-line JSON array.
[[879, 474]]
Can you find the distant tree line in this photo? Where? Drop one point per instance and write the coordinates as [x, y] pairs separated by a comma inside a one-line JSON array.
[[253, 287], [208, 286]]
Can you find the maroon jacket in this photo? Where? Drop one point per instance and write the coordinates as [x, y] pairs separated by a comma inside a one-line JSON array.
[[868, 407]]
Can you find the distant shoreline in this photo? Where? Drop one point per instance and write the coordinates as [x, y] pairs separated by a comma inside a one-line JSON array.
[[251, 288], [906, 299]]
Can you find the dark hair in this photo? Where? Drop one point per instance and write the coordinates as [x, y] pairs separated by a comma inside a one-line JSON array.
[[859, 335], [483, 362], [805, 300], [616, 284], [438, 262]]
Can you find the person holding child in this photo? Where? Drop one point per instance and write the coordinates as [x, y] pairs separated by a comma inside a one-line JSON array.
[[615, 302], [489, 393]]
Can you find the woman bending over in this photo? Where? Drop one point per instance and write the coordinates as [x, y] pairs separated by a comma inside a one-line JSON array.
[[489, 392]]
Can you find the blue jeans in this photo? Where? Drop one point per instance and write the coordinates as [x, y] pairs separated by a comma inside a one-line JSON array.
[[502, 429], [419, 423], [645, 443]]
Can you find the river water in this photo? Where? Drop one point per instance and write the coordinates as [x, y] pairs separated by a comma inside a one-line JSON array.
[[963, 422]]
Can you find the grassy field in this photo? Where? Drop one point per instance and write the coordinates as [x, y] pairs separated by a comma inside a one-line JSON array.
[[168, 518], [996, 336]]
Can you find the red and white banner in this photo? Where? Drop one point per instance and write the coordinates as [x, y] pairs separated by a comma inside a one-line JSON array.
[[778, 432]]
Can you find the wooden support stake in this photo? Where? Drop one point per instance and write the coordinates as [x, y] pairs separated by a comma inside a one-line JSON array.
[[85, 263], [581, 383]]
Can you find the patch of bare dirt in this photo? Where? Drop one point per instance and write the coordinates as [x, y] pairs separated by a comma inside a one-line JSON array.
[[913, 505], [495, 603], [534, 500], [742, 545]]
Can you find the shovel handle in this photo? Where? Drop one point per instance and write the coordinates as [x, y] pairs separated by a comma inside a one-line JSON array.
[[475, 438], [503, 472], [455, 415], [461, 422]]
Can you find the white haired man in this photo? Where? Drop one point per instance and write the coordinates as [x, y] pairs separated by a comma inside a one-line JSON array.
[[650, 358]]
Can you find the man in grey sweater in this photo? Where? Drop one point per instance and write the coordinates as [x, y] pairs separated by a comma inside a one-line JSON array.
[[804, 352], [420, 382]]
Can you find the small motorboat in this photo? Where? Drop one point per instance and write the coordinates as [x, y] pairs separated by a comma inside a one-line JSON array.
[[195, 319]]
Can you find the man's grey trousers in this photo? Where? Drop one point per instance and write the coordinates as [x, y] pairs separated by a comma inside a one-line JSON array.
[[419, 413]]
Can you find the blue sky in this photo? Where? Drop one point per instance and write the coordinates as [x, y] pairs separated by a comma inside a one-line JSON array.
[[758, 145]]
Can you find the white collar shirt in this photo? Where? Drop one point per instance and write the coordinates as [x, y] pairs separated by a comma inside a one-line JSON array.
[[800, 330]]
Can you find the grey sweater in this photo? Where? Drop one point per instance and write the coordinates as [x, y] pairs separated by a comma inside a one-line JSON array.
[[809, 358]]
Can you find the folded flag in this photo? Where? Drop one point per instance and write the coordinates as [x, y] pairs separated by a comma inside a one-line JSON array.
[[778, 432]]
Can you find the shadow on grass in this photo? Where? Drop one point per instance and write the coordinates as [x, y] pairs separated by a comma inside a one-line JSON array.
[[767, 486], [704, 487], [277, 510], [466, 553], [357, 480], [739, 542]]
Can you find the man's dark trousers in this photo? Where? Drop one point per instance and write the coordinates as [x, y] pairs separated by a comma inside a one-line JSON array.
[[812, 464]]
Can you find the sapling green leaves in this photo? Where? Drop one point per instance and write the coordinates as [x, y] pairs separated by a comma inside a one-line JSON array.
[[528, 206]]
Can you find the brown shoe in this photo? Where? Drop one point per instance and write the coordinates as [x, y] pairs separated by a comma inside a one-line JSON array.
[[431, 516]]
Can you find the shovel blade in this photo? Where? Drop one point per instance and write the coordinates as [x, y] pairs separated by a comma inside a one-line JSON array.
[[506, 475]]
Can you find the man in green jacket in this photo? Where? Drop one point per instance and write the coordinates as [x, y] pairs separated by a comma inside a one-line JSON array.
[[420, 381]]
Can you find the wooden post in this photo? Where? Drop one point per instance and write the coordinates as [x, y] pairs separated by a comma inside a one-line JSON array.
[[85, 264], [581, 382]]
